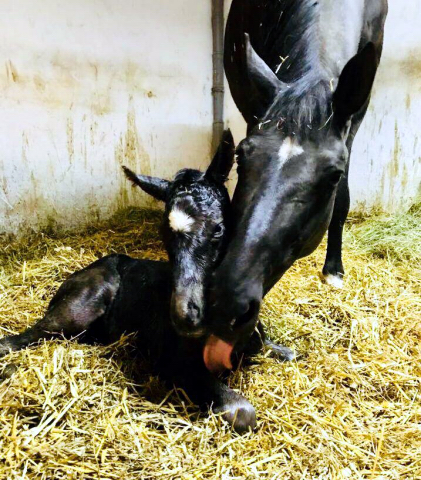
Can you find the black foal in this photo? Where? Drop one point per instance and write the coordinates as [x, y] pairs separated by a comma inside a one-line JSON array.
[[159, 300]]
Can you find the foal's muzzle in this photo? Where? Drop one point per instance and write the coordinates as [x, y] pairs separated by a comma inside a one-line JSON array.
[[186, 315]]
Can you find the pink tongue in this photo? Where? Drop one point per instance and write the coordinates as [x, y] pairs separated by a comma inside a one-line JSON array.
[[217, 354]]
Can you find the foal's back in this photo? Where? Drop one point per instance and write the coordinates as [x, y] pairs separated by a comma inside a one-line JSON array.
[[141, 304]]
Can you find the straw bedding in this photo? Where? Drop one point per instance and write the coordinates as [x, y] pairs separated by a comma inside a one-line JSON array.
[[348, 408]]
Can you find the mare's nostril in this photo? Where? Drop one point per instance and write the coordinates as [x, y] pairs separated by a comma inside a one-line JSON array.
[[250, 310]]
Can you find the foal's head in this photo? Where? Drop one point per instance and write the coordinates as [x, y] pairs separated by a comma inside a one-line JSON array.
[[195, 220]]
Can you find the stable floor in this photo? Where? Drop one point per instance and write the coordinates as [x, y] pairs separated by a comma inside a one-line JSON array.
[[348, 408]]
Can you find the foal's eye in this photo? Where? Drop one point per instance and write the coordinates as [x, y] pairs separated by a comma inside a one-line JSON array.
[[217, 232], [239, 157]]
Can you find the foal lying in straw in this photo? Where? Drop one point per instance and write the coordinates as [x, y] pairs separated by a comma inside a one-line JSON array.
[[160, 300]]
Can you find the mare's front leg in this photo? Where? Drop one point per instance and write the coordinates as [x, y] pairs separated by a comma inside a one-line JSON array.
[[333, 269], [207, 391], [80, 300]]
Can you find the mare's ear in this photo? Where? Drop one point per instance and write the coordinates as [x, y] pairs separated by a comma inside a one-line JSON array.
[[263, 80], [354, 85], [223, 160], [156, 187]]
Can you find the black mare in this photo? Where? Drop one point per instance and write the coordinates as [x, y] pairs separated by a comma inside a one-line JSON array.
[[301, 73]]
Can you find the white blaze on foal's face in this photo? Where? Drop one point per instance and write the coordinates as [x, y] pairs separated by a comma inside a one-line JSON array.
[[179, 221], [289, 149]]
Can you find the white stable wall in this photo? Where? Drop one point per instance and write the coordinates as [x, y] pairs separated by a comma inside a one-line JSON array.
[[87, 86], [386, 160]]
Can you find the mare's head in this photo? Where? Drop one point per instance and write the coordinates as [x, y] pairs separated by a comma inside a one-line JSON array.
[[289, 168], [195, 221]]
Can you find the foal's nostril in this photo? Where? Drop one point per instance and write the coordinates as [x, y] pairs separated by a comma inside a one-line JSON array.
[[186, 315], [193, 313]]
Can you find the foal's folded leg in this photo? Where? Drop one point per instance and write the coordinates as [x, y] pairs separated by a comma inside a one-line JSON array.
[[81, 299], [206, 390]]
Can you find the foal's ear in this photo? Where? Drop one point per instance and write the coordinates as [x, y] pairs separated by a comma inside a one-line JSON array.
[[223, 160], [156, 187], [355, 84]]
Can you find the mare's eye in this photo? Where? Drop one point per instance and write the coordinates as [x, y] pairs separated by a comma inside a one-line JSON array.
[[335, 177], [217, 232]]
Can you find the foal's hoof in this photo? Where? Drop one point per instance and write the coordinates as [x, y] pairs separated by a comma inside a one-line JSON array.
[[240, 414], [284, 354], [5, 347], [8, 371], [335, 281]]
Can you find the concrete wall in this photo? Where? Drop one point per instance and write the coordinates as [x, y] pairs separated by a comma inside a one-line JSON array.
[[386, 160], [89, 85]]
